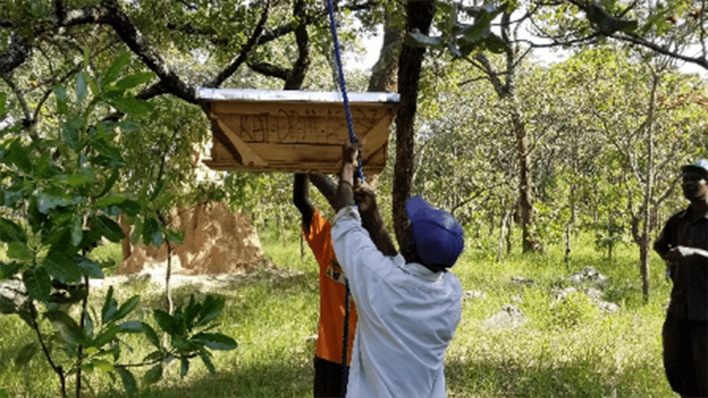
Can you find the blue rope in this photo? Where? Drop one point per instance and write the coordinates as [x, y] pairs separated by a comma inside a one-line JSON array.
[[352, 139], [342, 83]]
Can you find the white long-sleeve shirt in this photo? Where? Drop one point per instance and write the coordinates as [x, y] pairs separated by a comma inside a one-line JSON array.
[[407, 317]]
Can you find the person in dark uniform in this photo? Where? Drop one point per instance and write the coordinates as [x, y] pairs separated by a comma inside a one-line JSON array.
[[683, 244]]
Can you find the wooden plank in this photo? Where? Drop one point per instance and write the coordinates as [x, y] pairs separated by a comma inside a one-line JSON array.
[[295, 128], [287, 167], [309, 109], [247, 155]]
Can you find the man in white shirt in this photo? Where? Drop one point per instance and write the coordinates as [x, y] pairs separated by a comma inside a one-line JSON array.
[[409, 304]]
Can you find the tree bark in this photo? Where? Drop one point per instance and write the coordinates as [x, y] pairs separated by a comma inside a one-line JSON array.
[[383, 73], [648, 194], [419, 15], [529, 243]]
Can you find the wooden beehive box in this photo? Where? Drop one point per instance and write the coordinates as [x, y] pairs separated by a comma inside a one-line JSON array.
[[295, 131]]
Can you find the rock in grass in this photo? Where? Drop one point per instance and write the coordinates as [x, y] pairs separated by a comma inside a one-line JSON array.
[[509, 317], [588, 275]]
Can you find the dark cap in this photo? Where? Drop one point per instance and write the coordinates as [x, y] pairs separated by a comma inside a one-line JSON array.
[[439, 239], [700, 165]]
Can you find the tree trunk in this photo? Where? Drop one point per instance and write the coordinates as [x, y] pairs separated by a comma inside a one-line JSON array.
[[568, 245], [529, 243], [125, 243], [509, 232], [502, 234], [169, 304], [648, 193], [419, 16], [383, 73]]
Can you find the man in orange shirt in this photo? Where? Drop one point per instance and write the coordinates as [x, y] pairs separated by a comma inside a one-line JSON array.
[[329, 370]]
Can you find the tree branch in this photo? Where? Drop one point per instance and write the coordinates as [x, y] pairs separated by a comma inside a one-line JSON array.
[[134, 39], [15, 55], [302, 64], [268, 70], [243, 55]]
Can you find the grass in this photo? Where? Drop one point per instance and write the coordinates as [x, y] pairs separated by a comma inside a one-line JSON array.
[[571, 350]]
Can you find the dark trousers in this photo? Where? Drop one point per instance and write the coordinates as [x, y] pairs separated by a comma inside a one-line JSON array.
[[328, 378], [686, 355]]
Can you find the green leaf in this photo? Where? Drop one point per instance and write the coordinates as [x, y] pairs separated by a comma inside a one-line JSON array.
[[131, 327], [109, 183], [137, 232], [126, 308], [132, 106], [3, 98], [175, 236], [60, 94], [77, 230], [129, 207], [207, 362], [417, 39], [90, 268], [108, 228], [68, 329], [152, 232], [110, 201], [10, 197], [26, 353], [215, 341], [158, 190], [150, 334], [42, 166], [11, 232], [80, 87], [184, 367], [106, 148], [8, 270], [110, 306], [134, 80], [129, 126], [495, 44], [103, 365], [116, 68], [191, 312], [129, 384], [155, 356], [78, 180], [210, 310], [165, 321], [70, 132], [62, 267], [19, 251], [37, 283], [19, 157], [88, 327], [154, 374], [106, 336], [47, 202]]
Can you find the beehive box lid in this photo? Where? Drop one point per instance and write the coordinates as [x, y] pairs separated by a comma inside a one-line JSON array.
[[295, 131]]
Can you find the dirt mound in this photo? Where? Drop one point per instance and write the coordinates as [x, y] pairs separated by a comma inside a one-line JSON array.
[[216, 241]]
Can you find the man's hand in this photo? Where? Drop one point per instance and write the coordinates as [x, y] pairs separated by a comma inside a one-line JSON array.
[[366, 198], [345, 190], [350, 151]]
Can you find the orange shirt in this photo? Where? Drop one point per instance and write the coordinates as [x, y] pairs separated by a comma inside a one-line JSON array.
[[329, 338]]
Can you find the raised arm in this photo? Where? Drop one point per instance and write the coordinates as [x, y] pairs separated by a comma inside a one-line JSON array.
[[345, 190], [373, 222], [302, 201]]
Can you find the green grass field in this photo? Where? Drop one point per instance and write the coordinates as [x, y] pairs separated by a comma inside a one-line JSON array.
[[570, 350]]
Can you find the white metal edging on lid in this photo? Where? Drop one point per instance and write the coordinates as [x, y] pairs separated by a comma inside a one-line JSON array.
[[228, 94]]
